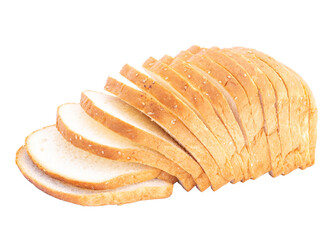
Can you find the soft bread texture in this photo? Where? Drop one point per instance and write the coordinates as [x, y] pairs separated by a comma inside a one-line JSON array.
[[128, 122], [156, 89], [152, 189], [84, 132], [156, 111], [60, 159]]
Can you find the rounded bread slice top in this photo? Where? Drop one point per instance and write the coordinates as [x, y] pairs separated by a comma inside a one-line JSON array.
[[84, 132], [130, 123], [157, 90], [171, 124], [200, 104], [60, 159]]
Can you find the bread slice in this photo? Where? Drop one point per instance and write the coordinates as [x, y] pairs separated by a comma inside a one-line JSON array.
[[217, 100], [282, 107], [60, 159], [84, 132], [182, 111], [213, 66], [187, 93], [128, 122], [152, 189], [298, 112], [172, 125]]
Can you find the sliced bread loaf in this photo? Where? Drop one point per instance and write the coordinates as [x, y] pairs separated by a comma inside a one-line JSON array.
[[216, 71], [217, 100], [172, 125], [188, 94], [282, 108], [129, 122], [60, 159], [298, 112], [267, 100], [152, 189], [84, 132], [155, 88]]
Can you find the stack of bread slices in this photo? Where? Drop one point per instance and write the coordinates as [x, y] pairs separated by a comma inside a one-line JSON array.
[[205, 118]]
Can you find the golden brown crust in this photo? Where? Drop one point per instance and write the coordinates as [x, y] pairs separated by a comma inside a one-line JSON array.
[[268, 103], [312, 119], [137, 155], [183, 75], [179, 156], [210, 92], [170, 123], [298, 113], [100, 198], [201, 106], [264, 88], [220, 104], [282, 108], [251, 163], [167, 177], [216, 64], [185, 114], [212, 70]]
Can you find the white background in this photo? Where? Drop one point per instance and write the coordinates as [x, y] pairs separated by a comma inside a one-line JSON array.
[[50, 52]]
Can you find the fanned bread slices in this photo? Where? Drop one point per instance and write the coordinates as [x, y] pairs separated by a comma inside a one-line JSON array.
[[230, 78], [282, 108], [256, 84], [84, 132], [218, 101], [151, 189], [128, 122], [157, 89], [60, 159], [171, 124], [206, 117], [200, 105], [298, 114]]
